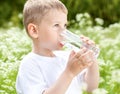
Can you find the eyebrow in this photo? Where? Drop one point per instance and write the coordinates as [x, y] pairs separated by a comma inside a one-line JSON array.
[[60, 22]]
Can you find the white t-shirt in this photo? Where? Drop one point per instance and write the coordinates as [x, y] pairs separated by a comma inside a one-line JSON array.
[[37, 73]]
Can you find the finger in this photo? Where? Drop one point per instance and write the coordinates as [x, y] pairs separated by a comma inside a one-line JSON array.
[[82, 36], [87, 40], [72, 54], [82, 50], [83, 65], [84, 39], [90, 63], [87, 57], [91, 42]]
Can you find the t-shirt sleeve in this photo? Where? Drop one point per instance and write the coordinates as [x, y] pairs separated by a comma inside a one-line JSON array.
[[30, 79]]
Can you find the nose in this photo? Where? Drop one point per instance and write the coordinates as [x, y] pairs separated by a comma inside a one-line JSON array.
[[62, 35], [62, 30]]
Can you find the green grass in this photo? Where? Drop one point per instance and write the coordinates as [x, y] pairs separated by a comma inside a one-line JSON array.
[[14, 45]]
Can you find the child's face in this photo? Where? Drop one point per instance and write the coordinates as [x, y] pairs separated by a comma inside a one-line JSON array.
[[50, 28]]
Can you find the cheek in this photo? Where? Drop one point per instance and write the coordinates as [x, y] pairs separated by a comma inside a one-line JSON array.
[[52, 36], [49, 36]]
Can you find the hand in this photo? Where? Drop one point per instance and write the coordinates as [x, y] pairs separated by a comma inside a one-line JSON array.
[[79, 61], [90, 45], [87, 41]]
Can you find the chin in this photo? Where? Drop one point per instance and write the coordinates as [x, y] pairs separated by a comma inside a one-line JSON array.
[[59, 48]]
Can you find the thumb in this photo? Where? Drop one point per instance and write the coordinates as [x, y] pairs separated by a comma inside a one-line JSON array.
[[72, 54]]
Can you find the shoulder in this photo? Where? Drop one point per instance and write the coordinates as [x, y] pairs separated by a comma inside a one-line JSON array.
[[28, 63], [29, 58]]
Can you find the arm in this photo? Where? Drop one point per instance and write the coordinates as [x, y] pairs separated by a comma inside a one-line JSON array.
[[92, 77], [61, 84], [73, 68], [76, 63], [92, 73]]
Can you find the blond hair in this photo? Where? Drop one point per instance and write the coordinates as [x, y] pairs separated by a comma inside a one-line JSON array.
[[34, 10]]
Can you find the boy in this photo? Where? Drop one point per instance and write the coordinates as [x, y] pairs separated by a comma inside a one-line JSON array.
[[44, 70]]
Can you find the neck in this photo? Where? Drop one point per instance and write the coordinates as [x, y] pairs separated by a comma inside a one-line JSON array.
[[43, 51]]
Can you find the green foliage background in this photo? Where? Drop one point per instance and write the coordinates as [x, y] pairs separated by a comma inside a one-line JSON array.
[[106, 9]]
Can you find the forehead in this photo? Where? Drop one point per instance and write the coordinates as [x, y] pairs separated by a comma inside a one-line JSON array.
[[56, 16]]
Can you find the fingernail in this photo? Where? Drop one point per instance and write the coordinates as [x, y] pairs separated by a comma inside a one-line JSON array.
[[81, 36], [73, 52], [89, 42], [82, 47]]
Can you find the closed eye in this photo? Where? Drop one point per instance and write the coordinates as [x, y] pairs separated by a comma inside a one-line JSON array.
[[65, 25], [57, 25]]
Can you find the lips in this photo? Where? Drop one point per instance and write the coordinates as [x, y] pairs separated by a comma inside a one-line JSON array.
[[62, 43]]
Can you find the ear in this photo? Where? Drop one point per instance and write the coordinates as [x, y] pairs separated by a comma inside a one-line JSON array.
[[32, 30]]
